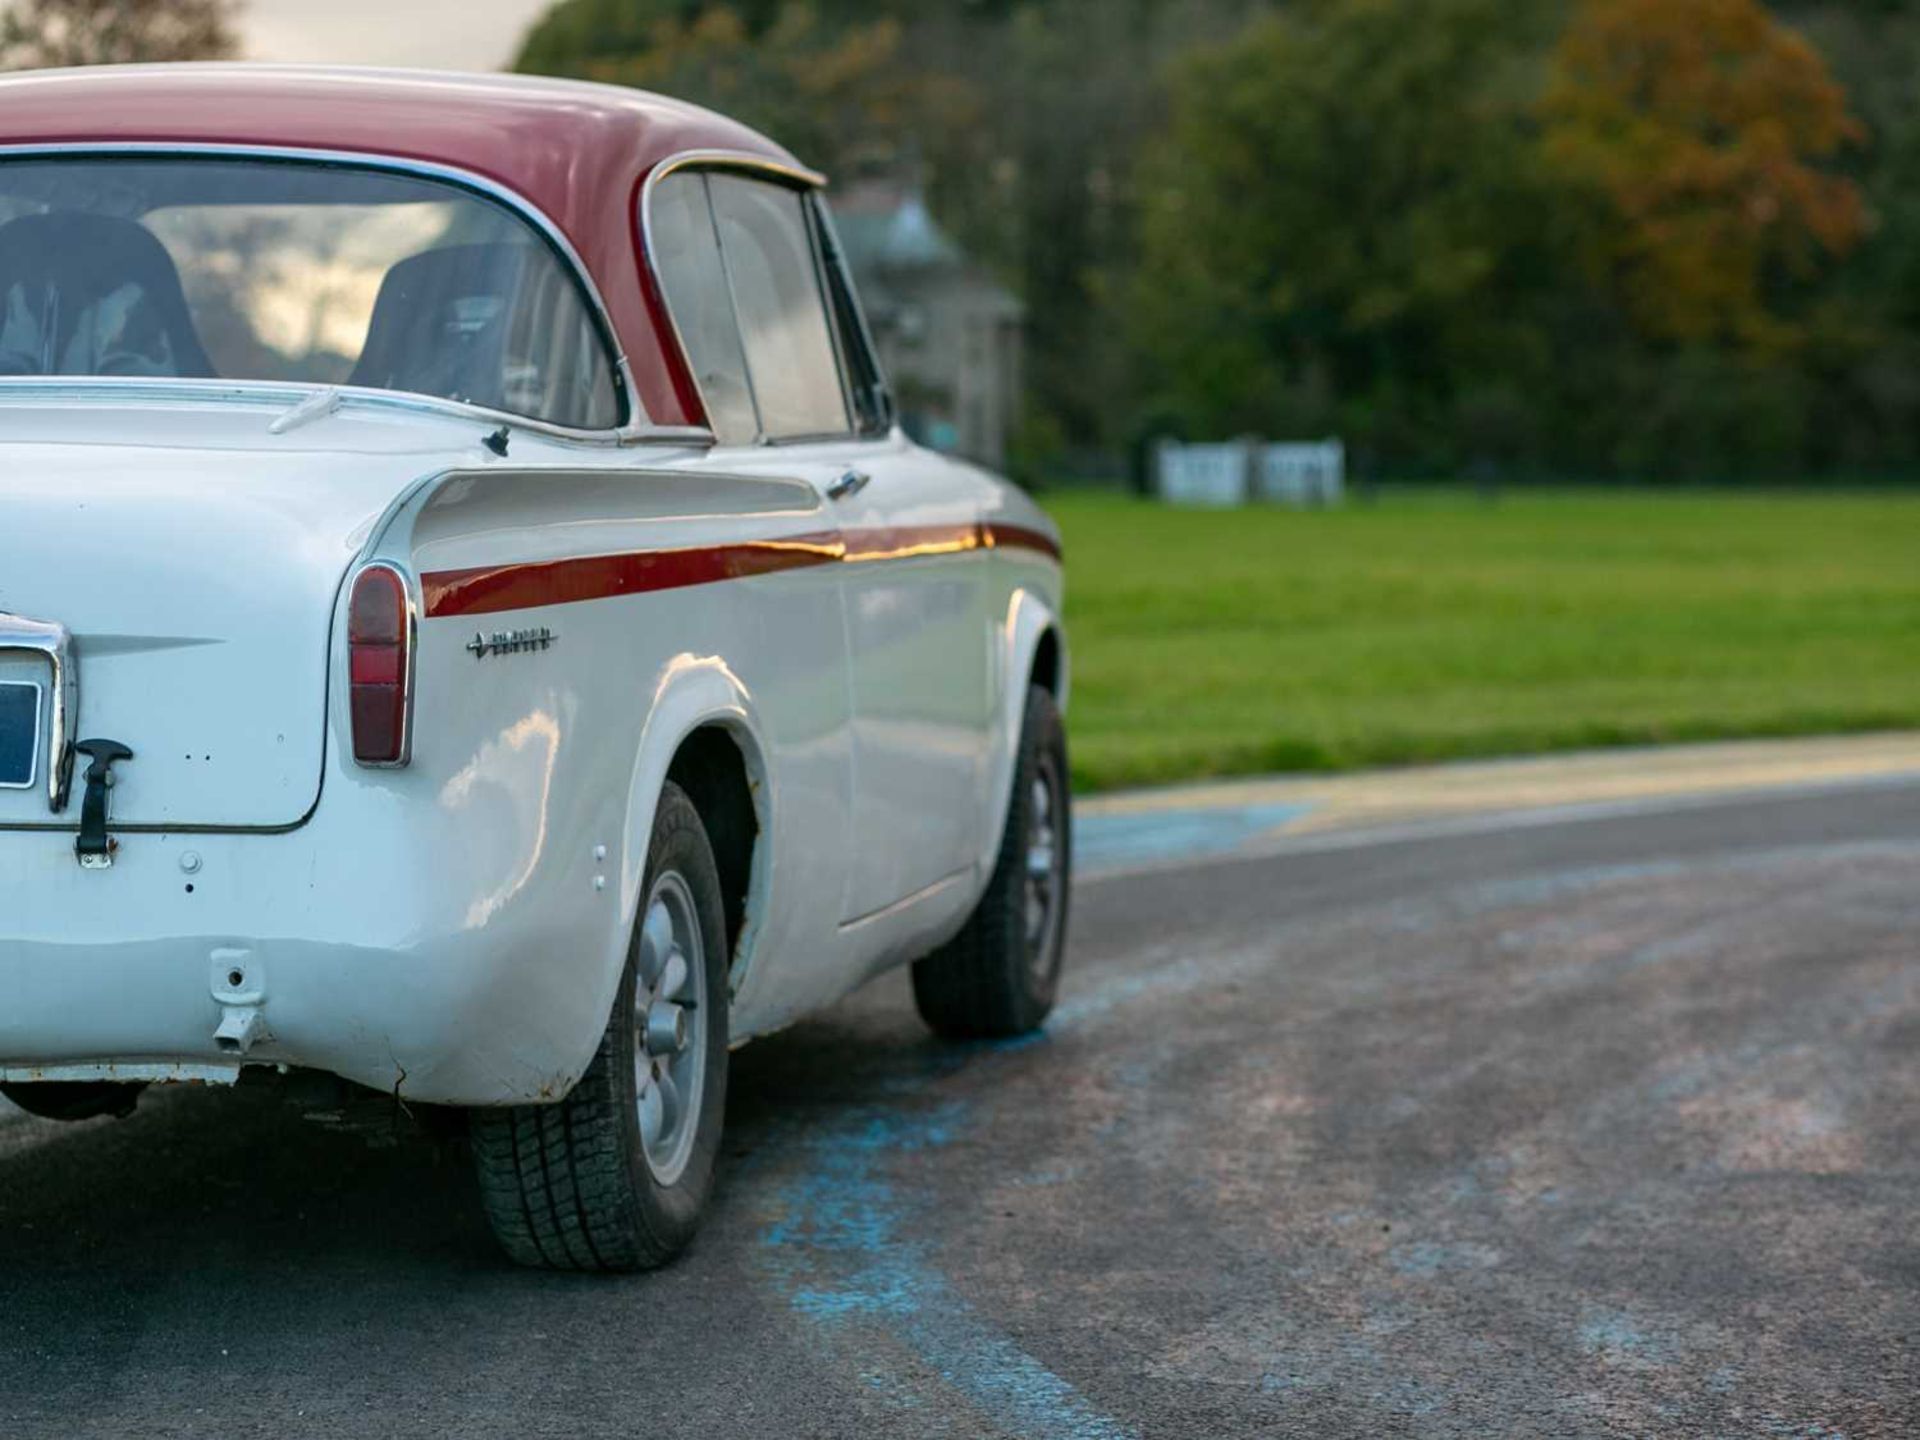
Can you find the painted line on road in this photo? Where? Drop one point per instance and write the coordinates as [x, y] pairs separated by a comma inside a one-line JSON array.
[[1275, 844], [1114, 841], [1150, 829]]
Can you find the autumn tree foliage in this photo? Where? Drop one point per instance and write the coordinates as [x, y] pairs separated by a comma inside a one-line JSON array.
[[1706, 128], [1593, 238], [43, 34]]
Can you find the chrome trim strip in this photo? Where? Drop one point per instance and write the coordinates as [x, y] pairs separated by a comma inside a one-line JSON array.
[[161, 1072], [736, 162], [284, 394], [54, 643], [633, 429], [744, 160], [823, 217]]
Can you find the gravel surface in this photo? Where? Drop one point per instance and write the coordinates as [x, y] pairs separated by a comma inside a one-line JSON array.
[[1610, 1128]]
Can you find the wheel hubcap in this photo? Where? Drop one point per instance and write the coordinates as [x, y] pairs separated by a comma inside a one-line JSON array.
[[666, 1028], [1044, 865], [670, 1049]]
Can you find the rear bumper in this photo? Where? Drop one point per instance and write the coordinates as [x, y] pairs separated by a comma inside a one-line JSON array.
[[481, 978]]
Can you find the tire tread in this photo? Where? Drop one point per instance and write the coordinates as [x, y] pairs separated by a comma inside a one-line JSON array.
[[978, 985], [560, 1183]]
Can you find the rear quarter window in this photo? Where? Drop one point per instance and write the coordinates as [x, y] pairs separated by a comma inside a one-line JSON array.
[[768, 247], [738, 262], [686, 257]]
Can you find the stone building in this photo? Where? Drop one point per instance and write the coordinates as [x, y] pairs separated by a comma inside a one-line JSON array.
[[948, 333]]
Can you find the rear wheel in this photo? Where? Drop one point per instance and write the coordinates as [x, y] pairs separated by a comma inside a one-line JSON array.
[[999, 975], [615, 1176]]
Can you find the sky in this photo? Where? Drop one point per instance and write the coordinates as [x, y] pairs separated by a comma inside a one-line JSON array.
[[444, 34]]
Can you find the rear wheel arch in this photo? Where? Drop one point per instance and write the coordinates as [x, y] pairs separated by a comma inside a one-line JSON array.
[[718, 768], [703, 733]]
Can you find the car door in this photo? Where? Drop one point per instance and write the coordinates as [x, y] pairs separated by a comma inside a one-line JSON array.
[[809, 404], [813, 833], [920, 633]]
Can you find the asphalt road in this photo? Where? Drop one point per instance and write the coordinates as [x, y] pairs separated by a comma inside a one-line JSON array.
[[1597, 1128]]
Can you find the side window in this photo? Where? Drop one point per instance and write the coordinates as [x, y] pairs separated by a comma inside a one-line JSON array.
[[872, 401], [768, 247], [686, 256]]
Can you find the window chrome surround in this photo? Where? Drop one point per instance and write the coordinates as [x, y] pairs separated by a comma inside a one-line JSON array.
[[412, 592], [732, 162], [52, 642], [635, 429]]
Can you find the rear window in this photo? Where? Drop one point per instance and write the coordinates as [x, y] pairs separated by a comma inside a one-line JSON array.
[[288, 271]]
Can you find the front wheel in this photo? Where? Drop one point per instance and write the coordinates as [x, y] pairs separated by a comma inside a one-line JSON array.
[[999, 975], [615, 1176]]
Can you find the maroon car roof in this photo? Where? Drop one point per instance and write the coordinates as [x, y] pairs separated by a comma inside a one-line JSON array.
[[577, 152]]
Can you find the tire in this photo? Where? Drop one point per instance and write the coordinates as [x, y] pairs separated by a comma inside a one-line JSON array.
[[998, 977], [615, 1176]]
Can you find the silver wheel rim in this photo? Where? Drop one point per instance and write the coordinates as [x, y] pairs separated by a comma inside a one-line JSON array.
[[1046, 863], [670, 1034]]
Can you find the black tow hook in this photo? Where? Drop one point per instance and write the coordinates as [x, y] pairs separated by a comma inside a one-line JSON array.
[[95, 847]]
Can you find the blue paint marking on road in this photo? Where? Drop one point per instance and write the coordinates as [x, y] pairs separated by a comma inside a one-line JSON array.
[[841, 1252], [1422, 1260], [1106, 841], [1616, 1336]]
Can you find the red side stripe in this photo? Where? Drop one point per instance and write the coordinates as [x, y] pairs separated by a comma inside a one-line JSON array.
[[488, 589], [1019, 537]]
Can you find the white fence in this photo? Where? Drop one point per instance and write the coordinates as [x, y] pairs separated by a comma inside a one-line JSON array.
[[1223, 476]]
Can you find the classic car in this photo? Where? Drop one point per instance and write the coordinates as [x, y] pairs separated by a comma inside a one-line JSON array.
[[471, 625]]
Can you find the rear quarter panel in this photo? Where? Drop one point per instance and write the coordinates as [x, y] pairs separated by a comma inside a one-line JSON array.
[[535, 773]]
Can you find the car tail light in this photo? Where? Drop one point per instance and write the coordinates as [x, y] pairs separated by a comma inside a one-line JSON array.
[[380, 665]]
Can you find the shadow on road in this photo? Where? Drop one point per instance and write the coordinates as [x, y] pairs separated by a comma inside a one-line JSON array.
[[219, 1254]]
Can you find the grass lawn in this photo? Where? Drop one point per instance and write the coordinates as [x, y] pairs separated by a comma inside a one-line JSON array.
[[1432, 626]]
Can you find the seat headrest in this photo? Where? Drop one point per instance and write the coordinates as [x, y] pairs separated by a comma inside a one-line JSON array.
[[121, 309], [441, 324]]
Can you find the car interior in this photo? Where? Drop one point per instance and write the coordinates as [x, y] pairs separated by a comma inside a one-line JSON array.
[[93, 295]]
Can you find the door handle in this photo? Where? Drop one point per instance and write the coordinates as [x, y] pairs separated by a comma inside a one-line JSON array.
[[849, 485]]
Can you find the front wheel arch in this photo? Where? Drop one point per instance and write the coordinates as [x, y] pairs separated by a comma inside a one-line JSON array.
[[1036, 654]]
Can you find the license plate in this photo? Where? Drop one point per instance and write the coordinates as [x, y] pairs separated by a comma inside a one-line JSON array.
[[19, 734]]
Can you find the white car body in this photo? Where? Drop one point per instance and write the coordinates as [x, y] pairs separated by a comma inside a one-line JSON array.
[[453, 930]]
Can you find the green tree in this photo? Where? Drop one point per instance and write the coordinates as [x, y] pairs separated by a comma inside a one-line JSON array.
[[574, 32], [1023, 119], [1343, 226], [1044, 188], [826, 92], [1862, 350], [43, 34]]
